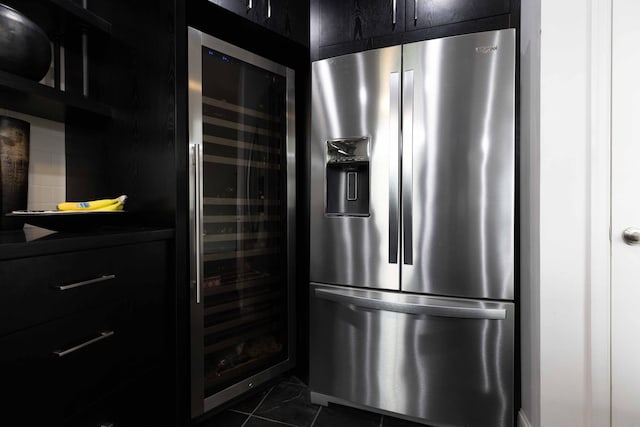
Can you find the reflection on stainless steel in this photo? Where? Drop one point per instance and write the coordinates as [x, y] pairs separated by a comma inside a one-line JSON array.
[[414, 332], [338, 242], [442, 370], [463, 156]]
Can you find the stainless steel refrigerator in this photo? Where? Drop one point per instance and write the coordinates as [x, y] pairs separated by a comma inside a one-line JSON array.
[[242, 219], [412, 230]]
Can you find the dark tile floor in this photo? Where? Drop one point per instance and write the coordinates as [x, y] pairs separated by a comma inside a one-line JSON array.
[[287, 404]]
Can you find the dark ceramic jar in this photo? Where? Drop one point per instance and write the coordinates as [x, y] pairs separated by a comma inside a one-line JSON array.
[[24, 48]]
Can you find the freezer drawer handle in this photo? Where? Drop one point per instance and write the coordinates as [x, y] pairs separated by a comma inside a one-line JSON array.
[[85, 282], [103, 335], [410, 308]]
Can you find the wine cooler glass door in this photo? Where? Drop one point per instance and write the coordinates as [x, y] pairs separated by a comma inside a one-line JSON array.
[[241, 313]]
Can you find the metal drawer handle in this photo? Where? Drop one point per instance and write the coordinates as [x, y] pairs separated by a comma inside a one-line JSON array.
[[86, 282], [103, 335]]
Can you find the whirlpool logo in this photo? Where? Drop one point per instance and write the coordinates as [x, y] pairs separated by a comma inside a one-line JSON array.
[[486, 49]]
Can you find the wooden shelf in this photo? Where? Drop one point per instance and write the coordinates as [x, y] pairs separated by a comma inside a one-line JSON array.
[[239, 109], [257, 281], [60, 17], [227, 201], [234, 237], [260, 298], [29, 97], [236, 126], [220, 160], [82, 16], [210, 139], [237, 339], [217, 219], [240, 254]]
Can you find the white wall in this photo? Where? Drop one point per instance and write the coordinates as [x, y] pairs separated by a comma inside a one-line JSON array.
[[47, 172], [564, 194]]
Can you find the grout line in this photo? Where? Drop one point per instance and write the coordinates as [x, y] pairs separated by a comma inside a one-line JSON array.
[[262, 400], [272, 420], [255, 409], [316, 417]]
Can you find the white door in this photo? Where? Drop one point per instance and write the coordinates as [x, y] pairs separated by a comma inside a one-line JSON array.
[[625, 192]]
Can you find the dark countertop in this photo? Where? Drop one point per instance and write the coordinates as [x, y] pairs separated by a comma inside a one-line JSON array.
[[34, 241]]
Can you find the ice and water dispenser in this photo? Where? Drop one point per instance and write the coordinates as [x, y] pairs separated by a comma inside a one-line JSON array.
[[347, 174]]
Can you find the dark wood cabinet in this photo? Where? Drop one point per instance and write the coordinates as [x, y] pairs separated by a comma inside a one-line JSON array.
[[341, 27], [289, 18], [358, 21], [78, 324], [432, 13]]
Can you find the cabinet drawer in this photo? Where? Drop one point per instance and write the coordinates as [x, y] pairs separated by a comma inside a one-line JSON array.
[[52, 371], [38, 289]]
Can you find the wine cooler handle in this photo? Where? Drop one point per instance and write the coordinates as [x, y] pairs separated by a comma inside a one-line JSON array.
[[103, 335], [198, 220], [407, 168], [85, 282], [394, 167]]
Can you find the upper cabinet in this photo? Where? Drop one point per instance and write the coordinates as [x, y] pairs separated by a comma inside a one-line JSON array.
[[431, 13], [289, 18], [345, 26], [359, 21], [77, 37]]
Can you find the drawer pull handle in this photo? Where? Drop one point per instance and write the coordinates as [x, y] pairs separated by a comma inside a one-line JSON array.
[[85, 282], [103, 335]]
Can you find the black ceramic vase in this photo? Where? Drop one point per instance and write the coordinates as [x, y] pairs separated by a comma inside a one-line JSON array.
[[14, 170], [24, 48]]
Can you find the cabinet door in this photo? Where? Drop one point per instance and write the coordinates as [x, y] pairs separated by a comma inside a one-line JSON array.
[[289, 18], [245, 8], [53, 371], [343, 21], [431, 13]]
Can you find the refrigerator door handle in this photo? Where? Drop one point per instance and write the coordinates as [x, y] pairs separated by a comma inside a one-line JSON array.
[[394, 160], [407, 168], [343, 297]]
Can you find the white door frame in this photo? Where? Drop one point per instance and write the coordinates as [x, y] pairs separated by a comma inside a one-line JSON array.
[[566, 212]]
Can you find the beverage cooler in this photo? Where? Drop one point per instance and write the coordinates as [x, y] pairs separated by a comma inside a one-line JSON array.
[[242, 199]]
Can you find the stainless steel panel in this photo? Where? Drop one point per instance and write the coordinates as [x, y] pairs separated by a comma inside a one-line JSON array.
[[463, 161], [444, 370], [352, 97], [195, 213]]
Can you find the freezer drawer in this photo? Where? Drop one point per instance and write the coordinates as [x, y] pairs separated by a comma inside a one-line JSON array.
[[445, 361]]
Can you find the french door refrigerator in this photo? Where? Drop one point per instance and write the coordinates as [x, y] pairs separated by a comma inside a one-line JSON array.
[[242, 176], [412, 230]]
